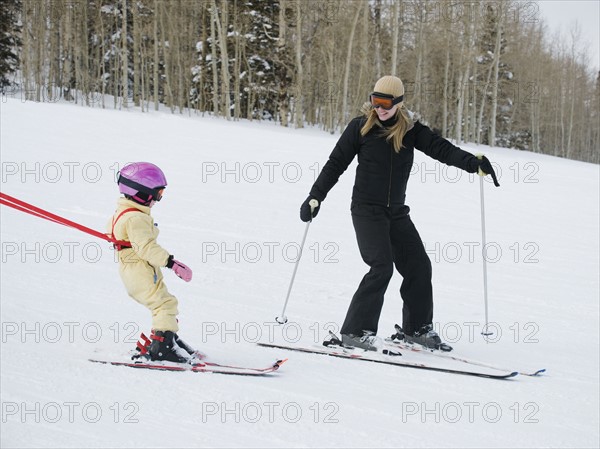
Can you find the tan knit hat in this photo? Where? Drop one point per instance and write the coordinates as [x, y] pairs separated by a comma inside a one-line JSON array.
[[390, 85]]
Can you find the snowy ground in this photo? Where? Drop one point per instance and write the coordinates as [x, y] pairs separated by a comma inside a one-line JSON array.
[[231, 213]]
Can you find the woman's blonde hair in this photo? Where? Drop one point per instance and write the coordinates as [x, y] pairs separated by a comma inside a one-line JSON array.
[[395, 133]]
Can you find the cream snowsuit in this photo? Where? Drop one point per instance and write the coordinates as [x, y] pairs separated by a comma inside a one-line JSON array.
[[139, 266]]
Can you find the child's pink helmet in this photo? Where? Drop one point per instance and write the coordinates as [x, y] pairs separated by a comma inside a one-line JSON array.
[[142, 182]]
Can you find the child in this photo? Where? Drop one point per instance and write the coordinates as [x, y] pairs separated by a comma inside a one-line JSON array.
[[141, 257]]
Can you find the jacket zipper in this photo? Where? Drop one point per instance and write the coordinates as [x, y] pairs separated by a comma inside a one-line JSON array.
[[391, 170]]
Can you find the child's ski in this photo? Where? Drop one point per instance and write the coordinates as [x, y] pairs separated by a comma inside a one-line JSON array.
[[197, 367]]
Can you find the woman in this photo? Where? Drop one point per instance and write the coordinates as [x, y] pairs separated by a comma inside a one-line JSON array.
[[384, 140]]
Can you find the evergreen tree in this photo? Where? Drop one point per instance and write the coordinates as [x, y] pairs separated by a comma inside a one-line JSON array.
[[10, 40]]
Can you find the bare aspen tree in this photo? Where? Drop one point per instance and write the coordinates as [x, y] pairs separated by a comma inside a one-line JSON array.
[[137, 66], [395, 36], [238, 30], [68, 49], [482, 104], [156, 62], [299, 90], [41, 35], [533, 85], [421, 49], [213, 60], [470, 101], [102, 66], [25, 49], [496, 81], [83, 53], [201, 103], [446, 81], [344, 115], [364, 75], [115, 62], [378, 43], [281, 43], [179, 52], [34, 27], [308, 87], [54, 42], [167, 84], [575, 35], [221, 22], [330, 87], [563, 89], [124, 55], [460, 84]]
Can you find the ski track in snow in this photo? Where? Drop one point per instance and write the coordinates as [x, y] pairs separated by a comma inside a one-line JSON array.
[[237, 226]]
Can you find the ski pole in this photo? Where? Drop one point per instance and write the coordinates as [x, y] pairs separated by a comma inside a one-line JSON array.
[[282, 319], [485, 332]]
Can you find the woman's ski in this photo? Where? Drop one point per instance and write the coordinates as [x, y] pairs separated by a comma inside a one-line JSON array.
[[398, 343], [390, 358]]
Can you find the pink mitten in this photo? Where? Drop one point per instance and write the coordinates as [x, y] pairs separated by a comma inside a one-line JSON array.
[[182, 270]]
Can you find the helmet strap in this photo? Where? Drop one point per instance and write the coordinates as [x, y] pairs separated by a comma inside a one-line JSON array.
[[139, 200]]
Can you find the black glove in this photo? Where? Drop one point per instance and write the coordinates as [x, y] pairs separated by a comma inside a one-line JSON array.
[[305, 209], [484, 166]]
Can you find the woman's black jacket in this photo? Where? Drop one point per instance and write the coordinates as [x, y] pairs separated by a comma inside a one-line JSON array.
[[382, 173]]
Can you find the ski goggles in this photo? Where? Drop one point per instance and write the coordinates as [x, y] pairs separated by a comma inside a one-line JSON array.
[[159, 193], [384, 101]]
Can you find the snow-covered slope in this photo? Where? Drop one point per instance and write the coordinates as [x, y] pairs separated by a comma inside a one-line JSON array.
[[231, 213]]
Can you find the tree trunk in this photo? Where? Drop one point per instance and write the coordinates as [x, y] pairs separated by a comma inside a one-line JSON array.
[[494, 105], [395, 36], [222, 30], [156, 64], [344, 117], [378, 43], [124, 55], [446, 85], [137, 66], [299, 91], [213, 60], [419, 67], [282, 62]]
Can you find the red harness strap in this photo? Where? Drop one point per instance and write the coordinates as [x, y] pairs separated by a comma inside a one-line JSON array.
[[22, 206], [121, 244]]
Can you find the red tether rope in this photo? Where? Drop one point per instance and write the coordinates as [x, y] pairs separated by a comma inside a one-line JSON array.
[[22, 206]]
